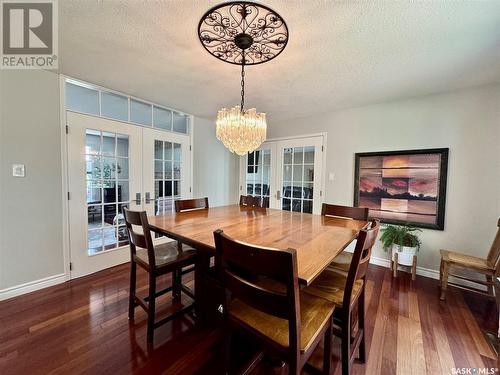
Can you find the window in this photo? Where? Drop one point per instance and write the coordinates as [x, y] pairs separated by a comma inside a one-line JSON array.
[[258, 176], [167, 175], [82, 99], [106, 156], [140, 113], [298, 179], [114, 106]]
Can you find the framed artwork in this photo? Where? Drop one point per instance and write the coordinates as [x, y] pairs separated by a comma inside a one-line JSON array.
[[403, 187]]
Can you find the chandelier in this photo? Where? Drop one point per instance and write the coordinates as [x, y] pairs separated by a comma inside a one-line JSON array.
[[242, 33]]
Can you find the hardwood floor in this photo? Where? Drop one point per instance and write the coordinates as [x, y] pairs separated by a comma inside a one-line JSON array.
[[81, 327]]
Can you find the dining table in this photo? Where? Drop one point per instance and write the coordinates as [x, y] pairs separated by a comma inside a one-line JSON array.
[[317, 239]]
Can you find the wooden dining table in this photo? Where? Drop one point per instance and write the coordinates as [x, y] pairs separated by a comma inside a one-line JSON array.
[[316, 239]]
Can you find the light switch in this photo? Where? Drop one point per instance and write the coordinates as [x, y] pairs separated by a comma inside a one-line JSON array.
[[331, 176], [18, 170]]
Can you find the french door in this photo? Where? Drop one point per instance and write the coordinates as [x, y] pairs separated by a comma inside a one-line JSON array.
[[287, 173], [112, 165]]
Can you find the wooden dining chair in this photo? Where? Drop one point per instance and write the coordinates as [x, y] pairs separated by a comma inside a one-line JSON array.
[[191, 204], [348, 295], [489, 268], [249, 200], [268, 306], [157, 260], [343, 260]]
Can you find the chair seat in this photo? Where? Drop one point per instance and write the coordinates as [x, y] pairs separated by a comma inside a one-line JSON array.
[[330, 285], [167, 254], [315, 313], [465, 260]]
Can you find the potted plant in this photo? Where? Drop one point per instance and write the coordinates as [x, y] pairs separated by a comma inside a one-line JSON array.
[[402, 239]]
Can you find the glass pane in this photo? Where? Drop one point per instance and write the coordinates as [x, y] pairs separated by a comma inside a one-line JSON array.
[[297, 173], [266, 171], [162, 118], [308, 191], [94, 192], [123, 193], [108, 168], [307, 206], [140, 112], [158, 189], [93, 167], [296, 205], [122, 145], [92, 142], [94, 216], [168, 188], [180, 123], [308, 172], [287, 189], [177, 188], [109, 214], [177, 170], [94, 241], [265, 189], [110, 238], [109, 192], [121, 219], [297, 190], [177, 151], [258, 189], [285, 205], [168, 205], [298, 155], [250, 189], [309, 155], [158, 170], [114, 106], [122, 236], [122, 168], [168, 151], [158, 150], [82, 99], [168, 170], [267, 157], [287, 156], [287, 173], [250, 159]]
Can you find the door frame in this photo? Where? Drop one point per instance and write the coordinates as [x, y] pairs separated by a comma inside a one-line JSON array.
[[64, 167], [242, 181]]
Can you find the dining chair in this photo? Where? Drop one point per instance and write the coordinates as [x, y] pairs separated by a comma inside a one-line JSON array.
[[191, 204], [249, 200], [348, 292], [489, 267], [343, 260], [268, 306], [157, 260]]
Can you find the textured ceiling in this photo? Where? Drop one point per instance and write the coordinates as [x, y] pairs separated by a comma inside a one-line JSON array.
[[341, 54]]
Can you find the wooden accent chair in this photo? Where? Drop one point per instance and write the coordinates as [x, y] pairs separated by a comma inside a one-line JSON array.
[[347, 293], [157, 261], [191, 204], [343, 260], [268, 306], [489, 267], [249, 200]]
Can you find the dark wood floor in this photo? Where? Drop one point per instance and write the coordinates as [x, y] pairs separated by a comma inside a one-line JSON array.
[[81, 327]]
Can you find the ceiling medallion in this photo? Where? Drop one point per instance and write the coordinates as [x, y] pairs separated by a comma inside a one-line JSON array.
[[242, 33]]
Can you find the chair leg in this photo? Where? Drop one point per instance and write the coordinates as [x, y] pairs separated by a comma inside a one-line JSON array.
[[361, 326], [327, 350], [444, 280], [489, 279], [176, 283], [131, 300], [151, 308], [346, 343], [227, 350]]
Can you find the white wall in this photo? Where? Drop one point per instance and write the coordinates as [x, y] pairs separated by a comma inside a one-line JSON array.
[[31, 236], [468, 122], [216, 170]]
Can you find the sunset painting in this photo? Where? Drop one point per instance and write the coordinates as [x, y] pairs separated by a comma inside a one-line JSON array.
[[403, 187]]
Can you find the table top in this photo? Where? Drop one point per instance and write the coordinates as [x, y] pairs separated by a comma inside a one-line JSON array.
[[317, 239]]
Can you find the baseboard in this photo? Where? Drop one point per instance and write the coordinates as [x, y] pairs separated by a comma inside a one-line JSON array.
[[31, 286], [427, 272]]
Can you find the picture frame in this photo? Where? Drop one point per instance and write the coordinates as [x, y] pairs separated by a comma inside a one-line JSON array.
[[403, 187]]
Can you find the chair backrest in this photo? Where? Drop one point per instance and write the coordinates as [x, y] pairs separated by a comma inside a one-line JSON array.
[[191, 204], [137, 239], [360, 259], [249, 200], [242, 265], [356, 213], [494, 253]]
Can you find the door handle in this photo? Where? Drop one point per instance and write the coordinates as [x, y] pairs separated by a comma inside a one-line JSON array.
[[148, 197], [278, 194], [138, 198]]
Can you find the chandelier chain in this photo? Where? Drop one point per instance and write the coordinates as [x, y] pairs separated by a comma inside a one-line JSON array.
[[242, 84]]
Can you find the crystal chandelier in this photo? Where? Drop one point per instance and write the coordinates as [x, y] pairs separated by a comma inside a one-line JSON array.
[[242, 33]]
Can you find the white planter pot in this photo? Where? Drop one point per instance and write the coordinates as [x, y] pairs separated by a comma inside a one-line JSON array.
[[405, 256]]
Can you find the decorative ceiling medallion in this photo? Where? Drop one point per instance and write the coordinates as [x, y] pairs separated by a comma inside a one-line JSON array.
[[243, 33]]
